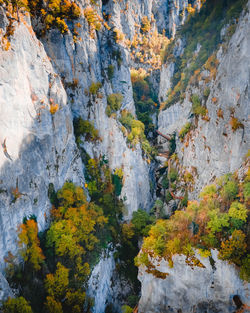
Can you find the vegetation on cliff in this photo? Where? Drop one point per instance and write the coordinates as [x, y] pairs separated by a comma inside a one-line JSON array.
[[217, 221]]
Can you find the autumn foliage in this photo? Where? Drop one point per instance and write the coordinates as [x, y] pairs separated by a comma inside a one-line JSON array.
[[218, 221], [30, 244]]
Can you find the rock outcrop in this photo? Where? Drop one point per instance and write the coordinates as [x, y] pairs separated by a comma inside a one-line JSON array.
[[214, 288]]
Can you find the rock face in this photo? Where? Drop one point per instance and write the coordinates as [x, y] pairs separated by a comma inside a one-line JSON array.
[[37, 147], [100, 288], [211, 289], [215, 148]]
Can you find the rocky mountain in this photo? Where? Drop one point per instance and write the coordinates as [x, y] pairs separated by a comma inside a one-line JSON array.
[[72, 89]]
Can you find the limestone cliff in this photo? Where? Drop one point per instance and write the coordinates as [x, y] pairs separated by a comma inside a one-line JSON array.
[[45, 83], [213, 147]]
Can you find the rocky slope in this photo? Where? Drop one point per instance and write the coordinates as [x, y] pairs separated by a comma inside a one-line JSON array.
[[213, 148]]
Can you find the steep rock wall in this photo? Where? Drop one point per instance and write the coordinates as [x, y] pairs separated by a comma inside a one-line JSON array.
[[192, 289], [37, 147], [214, 147]]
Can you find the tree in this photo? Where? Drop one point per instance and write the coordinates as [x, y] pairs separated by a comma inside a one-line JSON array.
[[71, 195], [217, 221], [234, 248], [238, 214], [30, 244], [53, 306], [140, 221], [16, 305], [57, 284]]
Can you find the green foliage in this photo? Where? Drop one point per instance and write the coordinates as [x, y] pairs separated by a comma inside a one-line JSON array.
[[94, 88], [127, 309], [196, 107], [217, 221], [185, 129], [85, 128], [207, 92], [16, 305], [246, 190], [229, 188], [145, 99], [111, 70], [136, 134], [114, 103], [172, 144], [117, 180], [141, 221], [52, 194], [173, 174], [245, 268], [168, 197]]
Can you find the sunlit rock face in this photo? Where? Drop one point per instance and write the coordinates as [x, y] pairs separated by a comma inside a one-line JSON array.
[[37, 147], [215, 148], [212, 288]]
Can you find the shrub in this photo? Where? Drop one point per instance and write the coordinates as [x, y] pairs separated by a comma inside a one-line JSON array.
[[235, 123], [197, 108], [205, 225], [206, 92], [136, 132], [52, 13], [173, 174], [53, 108], [185, 129], [111, 70], [94, 88], [246, 190], [127, 309], [145, 24], [85, 128], [115, 101], [92, 18], [16, 305]]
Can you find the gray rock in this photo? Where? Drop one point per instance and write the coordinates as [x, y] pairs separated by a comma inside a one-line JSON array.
[[192, 289]]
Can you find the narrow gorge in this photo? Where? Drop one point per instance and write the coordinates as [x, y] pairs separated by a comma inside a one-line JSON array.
[[124, 158]]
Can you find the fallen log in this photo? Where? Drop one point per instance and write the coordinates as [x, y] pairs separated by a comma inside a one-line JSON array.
[[164, 136], [175, 197]]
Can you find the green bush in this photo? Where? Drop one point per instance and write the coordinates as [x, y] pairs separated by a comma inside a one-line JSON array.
[[173, 174], [185, 129], [115, 101], [206, 92], [197, 108], [85, 128], [111, 70], [94, 88], [16, 305]]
